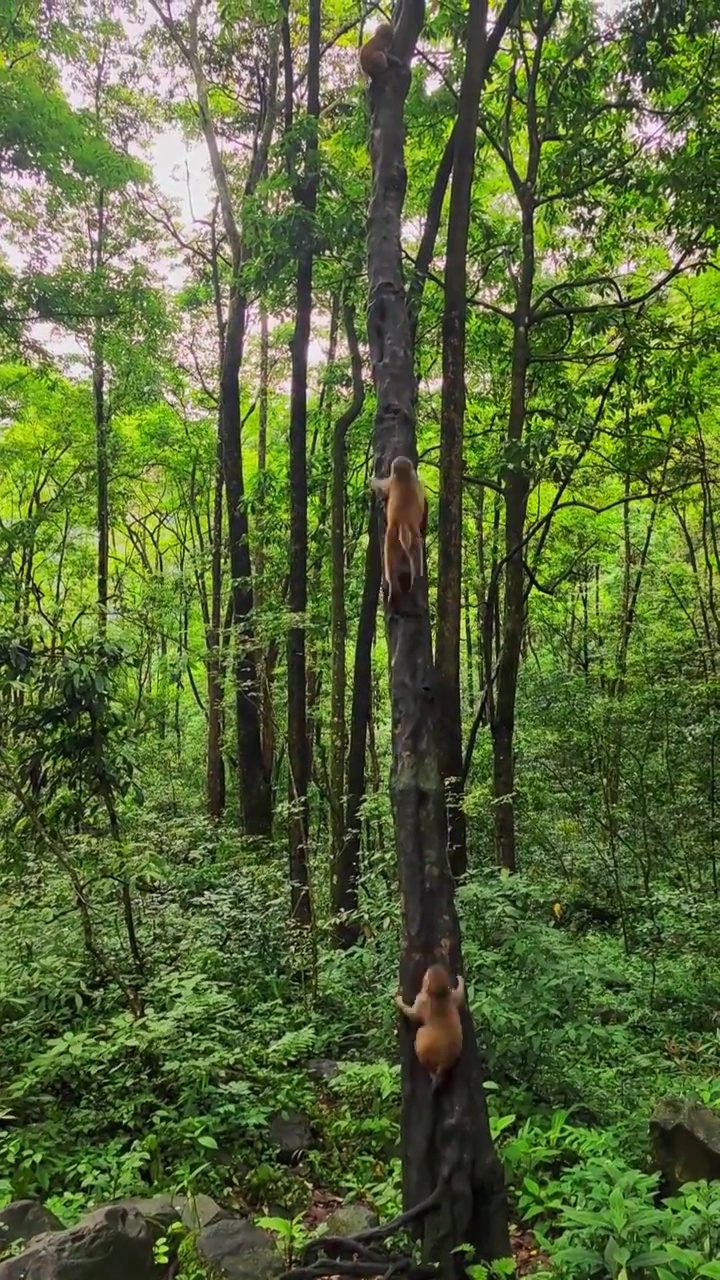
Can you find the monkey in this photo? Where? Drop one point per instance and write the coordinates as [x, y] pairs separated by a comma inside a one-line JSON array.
[[406, 522], [375, 55], [438, 1040]]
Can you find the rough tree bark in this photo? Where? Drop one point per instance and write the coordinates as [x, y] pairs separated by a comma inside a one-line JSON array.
[[445, 1139]]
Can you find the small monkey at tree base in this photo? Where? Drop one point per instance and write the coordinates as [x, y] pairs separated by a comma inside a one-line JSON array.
[[375, 55], [406, 516], [439, 1038]]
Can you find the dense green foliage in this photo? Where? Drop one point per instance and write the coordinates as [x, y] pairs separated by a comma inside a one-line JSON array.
[[158, 1006]]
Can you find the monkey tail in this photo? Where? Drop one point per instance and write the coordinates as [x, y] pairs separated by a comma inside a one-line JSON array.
[[405, 539], [441, 1077], [437, 1081], [420, 557]]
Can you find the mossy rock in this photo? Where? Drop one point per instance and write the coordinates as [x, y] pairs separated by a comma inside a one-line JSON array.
[[685, 1139]]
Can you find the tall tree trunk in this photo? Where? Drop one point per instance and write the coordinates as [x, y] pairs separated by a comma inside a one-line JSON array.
[[298, 747], [316, 656], [254, 784], [469, 648], [446, 1143], [102, 429], [433, 217], [516, 488], [267, 658], [215, 765], [481, 586], [452, 418], [215, 775], [344, 887], [103, 479], [347, 865], [263, 393]]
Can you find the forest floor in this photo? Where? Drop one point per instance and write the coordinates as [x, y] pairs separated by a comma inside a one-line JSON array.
[[581, 1039]]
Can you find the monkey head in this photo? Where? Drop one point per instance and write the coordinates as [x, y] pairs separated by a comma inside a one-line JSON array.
[[402, 468], [436, 982]]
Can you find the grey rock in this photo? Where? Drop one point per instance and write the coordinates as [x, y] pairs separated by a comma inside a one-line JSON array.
[[160, 1212], [201, 1211], [323, 1069], [238, 1250], [610, 1016], [113, 1243], [615, 981], [350, 1220], [290, 1133], [685, 1139], [24, 1219]]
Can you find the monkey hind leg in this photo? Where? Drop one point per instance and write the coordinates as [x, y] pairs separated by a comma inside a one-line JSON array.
[[406, 542], [388, 560]]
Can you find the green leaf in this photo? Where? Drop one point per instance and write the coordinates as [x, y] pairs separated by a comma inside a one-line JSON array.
[[207, 1140]]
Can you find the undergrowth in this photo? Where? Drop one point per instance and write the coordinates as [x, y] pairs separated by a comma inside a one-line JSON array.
[[580, 1039]]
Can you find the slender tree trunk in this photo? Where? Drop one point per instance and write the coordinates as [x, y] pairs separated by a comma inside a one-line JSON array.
[[254, 784], [103, 479], [493, 622], [215, 765], [436, 201], [102, 423], [516, 488], [255, 796], [446, 1143], [481, 592], [161, 675], [452, 418], [347, 865], [298, 746], [215, 762], [267, 658], [344, 883], [263, 394], [469, 653], [317, 655]]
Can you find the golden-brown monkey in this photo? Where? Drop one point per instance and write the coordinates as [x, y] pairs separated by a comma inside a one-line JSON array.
[[406, 516], [376, 55], [438, 1040]]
